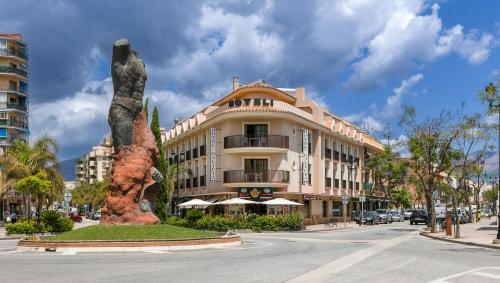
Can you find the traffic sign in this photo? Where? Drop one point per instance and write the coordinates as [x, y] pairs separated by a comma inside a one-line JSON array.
[[67, 197], [362, 198]]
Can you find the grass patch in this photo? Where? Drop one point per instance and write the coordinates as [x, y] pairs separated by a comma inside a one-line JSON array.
[[132, 232]]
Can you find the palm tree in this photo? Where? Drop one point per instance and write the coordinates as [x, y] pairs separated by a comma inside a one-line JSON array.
[[22, 160]]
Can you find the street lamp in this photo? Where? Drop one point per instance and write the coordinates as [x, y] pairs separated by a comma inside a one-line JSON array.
[[495, 183]]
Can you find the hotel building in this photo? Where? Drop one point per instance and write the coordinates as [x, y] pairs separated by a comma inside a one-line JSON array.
[[261, 142], [13, 105]]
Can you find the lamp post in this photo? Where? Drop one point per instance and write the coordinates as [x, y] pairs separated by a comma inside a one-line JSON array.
[[495, 183]]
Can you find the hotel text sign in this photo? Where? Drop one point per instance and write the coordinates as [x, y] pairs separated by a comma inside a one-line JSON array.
[[305, 154], [213, 155], [250, 102]]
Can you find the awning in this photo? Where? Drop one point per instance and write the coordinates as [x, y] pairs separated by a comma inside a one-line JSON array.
[[281, 201], [196, 203], [236, 201], [214, 199]]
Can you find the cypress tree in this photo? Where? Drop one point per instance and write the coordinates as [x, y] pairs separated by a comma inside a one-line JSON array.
[[146, 108], [161, 165]]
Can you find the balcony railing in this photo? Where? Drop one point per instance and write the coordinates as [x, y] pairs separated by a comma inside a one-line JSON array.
[[203, 150], [202, 181], [248, 141], [16, 124], [195, 152], [328, 153], [7, 69], [328, 182], [13, 106], [17, 53], [269, 176]]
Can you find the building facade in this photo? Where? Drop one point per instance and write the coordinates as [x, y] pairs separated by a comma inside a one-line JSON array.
[[13, 105], [96, 165], [261, 142]]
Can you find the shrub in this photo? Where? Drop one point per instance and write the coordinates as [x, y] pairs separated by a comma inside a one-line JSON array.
[[265, 223], [21, 227], [291, 221], [63, 225], [217, 223], [193, 215], [176, 221], [50, 218]]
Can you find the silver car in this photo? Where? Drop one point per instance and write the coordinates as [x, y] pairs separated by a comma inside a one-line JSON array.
[[385, 215], [397, 217]]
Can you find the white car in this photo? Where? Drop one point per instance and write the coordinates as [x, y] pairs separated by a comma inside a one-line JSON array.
[[406, 214]]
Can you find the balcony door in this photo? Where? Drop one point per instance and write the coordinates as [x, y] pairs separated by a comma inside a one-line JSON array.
[[256, 130], [255, 165]]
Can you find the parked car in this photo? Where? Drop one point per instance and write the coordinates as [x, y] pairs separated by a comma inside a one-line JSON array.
[[396, 216], [418, 216], [96, 215], [75, 217], [385, 215], [407, 214], [368, 217], [486, 212]]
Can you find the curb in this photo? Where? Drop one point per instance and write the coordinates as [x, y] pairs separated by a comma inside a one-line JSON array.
[[326, 229], [129, 246], [460, 242]]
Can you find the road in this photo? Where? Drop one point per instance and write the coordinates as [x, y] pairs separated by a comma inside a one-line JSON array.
[[382, 253]]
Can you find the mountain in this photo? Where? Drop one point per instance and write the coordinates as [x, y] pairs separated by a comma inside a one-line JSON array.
[[67, 168]]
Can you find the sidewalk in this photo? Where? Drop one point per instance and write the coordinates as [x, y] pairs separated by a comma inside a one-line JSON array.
[[480, 233]]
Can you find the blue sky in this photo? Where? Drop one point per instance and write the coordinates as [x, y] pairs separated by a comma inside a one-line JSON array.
[[363, 59]]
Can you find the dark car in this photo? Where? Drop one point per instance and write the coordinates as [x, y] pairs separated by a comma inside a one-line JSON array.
[[75, 217], [368, 217], [418, 216]]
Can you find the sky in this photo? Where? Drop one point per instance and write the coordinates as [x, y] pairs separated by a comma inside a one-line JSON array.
[[363, 59]]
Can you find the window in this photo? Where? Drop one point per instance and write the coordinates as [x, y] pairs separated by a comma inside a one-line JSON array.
[[325, 209], [255, 165], [3, 132], [256, 130], [3, 43]]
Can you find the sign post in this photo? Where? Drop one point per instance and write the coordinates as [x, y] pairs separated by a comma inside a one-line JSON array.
[[345, 201], [362, 199], [67, 199]]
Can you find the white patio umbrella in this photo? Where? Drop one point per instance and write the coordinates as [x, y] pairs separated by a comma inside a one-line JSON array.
[[235, 201], [195, 202], [280, 201]]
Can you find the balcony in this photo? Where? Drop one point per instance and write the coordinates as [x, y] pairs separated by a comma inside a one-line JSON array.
[[15, 106], [15, 53], [241, 143], [328, 182], [17, 124], [269, 176], [203, 150], [7, 69]]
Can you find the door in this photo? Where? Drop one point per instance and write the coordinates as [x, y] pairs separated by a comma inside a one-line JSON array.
[[256, 170], [256, 130]]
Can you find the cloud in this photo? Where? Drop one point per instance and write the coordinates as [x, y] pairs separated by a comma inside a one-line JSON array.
[[375, 120]]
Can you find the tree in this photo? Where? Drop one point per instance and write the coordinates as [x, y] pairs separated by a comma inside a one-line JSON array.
[[90, 194], [22, 160], [387, 170], [35, 185], [402, 197], [146, 108], [430, 146], [161, 164], [490, 196]]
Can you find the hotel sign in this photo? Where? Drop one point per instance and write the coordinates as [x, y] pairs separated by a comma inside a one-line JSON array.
[[305, 154], [250, 102], [255, 193], [213, 155]]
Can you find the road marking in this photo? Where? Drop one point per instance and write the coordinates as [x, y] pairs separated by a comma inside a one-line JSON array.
[[472, 271], [9, 252], [328, 270], [487, 275], [69, 252]]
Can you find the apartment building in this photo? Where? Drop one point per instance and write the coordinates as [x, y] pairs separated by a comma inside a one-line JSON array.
[[13, 104], [261, 142], [96, 165]]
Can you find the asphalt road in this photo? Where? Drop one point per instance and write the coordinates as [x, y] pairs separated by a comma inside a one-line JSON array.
[[384, 253]]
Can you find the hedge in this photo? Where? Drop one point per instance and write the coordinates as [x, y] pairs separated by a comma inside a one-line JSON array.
[[51, 221]]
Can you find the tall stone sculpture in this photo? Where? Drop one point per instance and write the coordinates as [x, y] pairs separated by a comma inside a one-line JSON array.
[[134, 180]]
